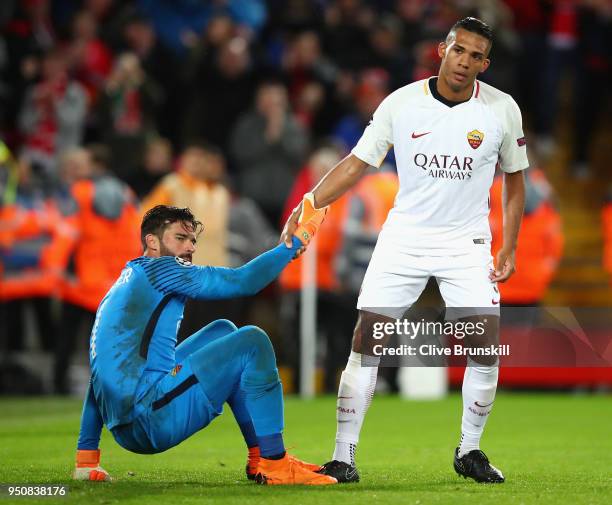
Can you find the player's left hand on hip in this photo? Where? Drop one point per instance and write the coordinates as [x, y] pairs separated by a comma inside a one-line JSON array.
[[504, 266], [309, 220], [88, 467]]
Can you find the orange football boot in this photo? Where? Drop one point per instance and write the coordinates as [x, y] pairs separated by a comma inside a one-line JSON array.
[[289, 471], [254, 458]]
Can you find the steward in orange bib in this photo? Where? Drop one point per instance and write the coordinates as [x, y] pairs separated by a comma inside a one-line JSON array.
[[106, 219], [35, 240], [606, 221], [540, 240]]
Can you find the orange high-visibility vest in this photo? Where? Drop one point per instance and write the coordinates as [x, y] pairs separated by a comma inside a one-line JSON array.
[[539, 248], [103, 247], [606, 221], [49, 235], [377, 191]]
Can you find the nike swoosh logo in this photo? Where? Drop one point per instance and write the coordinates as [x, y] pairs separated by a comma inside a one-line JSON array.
[[495, 302], [350, 473], [345, 397], [487, 405], [344, 421], [417, 135]]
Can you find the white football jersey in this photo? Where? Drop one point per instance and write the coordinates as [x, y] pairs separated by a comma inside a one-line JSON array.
[[446, 158]]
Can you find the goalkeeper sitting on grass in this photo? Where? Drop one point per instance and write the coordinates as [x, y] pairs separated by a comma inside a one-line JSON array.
[[152, 394]]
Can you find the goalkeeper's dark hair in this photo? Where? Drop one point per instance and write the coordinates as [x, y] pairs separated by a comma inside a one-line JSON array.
[[473, 25], [157, 219]]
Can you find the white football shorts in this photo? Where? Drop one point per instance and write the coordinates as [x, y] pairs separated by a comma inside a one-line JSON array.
[[395, 279]]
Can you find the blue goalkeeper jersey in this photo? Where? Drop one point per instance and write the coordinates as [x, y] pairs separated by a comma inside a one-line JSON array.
[[133, 339]]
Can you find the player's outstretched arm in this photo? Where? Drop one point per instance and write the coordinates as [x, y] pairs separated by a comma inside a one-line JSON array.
[[514, 203], [174, 275], [335, 183], [251, 278], [87, 466]]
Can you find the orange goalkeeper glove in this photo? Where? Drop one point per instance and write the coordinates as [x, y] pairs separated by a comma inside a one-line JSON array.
[[88, 466], [310, 219]]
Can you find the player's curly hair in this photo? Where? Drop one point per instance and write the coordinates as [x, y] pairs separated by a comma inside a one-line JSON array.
[[157, 219]]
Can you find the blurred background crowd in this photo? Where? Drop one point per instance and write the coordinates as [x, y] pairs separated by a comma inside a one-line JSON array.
[[235, 108]]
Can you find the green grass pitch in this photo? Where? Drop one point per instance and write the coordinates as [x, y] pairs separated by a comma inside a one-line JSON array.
[[553, 449]]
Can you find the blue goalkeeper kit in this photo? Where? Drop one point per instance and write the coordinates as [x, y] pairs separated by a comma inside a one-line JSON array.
[[152, 394]]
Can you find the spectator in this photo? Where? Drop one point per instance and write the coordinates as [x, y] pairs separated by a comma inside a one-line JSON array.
[[28, 35], [294, 15], [108, 15], [31, 29], [218, 32], [105, 210], [385, 39], [161, 65], [347, 23], [311, 78], [197, 184], [267, 146], [91, 59], [221, 90], [127, 111], [53, 113], [34, 245], [413, 16], [529, 23], [593, 75], [426, 60], [178, 22], [368, 95], [157, 163], [250, 234]]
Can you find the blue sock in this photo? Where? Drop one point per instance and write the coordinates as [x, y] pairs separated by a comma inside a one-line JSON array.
[[237, 402], [248, 432], [271, 445], [264, 399]]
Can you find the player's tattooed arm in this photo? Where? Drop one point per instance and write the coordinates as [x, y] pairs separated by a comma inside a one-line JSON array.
[[334, 184], [514, 203]]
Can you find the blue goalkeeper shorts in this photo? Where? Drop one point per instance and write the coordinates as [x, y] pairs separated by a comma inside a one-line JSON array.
[[209, 367]]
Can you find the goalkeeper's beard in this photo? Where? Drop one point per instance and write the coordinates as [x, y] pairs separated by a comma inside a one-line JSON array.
[[164, 251]]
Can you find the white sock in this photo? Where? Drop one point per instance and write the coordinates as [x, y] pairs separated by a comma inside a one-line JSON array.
[[354, 397], [479, 386]]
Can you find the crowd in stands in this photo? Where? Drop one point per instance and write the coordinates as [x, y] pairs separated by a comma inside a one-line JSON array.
[[235, 108]]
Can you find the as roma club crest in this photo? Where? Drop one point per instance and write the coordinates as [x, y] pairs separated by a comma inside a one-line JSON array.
[[475, 138]]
